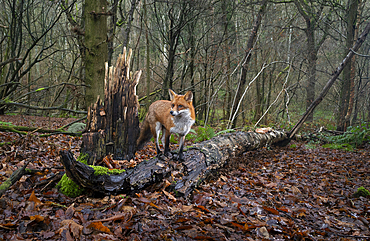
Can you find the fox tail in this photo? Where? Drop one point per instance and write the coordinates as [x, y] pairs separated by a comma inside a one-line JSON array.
[[145, 134]]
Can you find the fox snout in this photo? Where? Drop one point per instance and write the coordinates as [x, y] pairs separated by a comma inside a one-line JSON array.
[[174, 113]]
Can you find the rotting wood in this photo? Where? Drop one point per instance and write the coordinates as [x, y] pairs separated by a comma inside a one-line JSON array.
[[113, 123], [200, 161]]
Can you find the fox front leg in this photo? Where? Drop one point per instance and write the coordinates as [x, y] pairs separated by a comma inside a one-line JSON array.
[[158, 129], [181, 148], [166, 141]]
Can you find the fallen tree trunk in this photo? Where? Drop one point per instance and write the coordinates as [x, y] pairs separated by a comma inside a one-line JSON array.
[[201, 161]]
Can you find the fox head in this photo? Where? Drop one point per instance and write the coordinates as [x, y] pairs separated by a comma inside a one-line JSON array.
[[180, 104]]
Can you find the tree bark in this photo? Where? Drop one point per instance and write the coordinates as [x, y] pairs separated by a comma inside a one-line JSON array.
[[96, 51], [113, 126], [112, 31], [200, 162], [130, 18], [337, 72], [347, 90]]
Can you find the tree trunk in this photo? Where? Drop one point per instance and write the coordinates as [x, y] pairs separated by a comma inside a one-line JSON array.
[[112, 31], [312, 57], [347, 90], [130, 18], [246, 60], [201, 161], [311, 14], [96, 52], [147, 54], [113, 127]]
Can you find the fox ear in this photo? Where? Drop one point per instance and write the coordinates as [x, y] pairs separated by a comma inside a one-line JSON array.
[[188, 96], [172, 94]]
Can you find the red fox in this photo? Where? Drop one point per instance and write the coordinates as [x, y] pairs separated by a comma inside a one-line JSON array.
[[175, 116]]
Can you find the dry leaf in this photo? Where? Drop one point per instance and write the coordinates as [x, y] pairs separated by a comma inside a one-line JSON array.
[[223, 178], [37, 218], [33, 198], [271, 210], [72, 226], [295, 190], [170, 196], [263, 233], [99, 226], [187, 208]]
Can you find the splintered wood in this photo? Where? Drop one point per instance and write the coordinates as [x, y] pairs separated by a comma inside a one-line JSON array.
[[113, 123]]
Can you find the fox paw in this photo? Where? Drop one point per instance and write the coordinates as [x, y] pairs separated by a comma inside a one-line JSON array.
[[178, 157]]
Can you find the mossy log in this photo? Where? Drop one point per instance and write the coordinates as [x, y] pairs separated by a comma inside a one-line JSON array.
[[200, 161]]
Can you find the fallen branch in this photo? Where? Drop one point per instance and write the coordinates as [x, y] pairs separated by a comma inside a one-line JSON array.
[[24, 129], [42, 108], [16, 175]]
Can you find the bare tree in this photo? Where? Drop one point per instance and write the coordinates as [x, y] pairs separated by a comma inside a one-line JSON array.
[[312, 13], [27, 41], [347, 88]]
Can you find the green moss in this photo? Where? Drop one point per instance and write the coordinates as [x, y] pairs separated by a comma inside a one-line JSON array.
[[99, 170], [116, 171], [361, 192], [6, 123], [69, 187], [83, 157], [5, 185]]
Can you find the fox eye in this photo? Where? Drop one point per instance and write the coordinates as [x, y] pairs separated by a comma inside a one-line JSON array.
[[180, 106], [172, 105]]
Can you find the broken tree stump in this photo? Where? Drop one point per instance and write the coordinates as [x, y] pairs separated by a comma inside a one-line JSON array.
[[113, 124], [201, 160]]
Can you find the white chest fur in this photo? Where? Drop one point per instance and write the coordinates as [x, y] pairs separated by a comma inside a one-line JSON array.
[[182, 122]]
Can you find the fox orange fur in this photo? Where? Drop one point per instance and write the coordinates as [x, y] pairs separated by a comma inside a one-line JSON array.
[[174, 116]]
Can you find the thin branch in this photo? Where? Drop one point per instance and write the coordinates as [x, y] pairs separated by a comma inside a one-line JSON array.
[[277, 97], [361, 55], [9, 61], [242, 97]]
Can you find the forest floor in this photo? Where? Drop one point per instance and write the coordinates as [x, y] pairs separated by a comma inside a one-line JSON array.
[[289, 193]]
